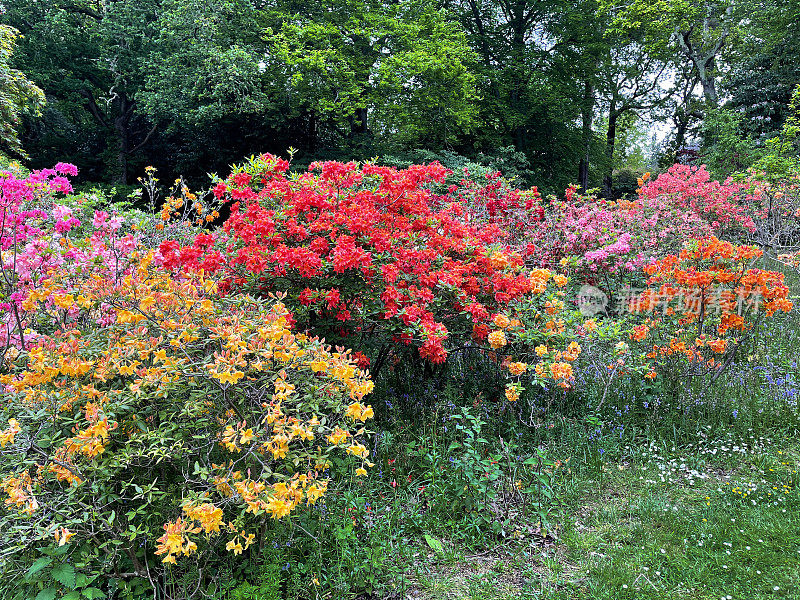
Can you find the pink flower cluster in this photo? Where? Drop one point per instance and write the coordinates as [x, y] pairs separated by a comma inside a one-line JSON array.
[[38, 235], [616, 239], [691, 188]]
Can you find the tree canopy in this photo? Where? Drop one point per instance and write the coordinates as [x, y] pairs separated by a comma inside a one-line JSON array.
[[195, 86]]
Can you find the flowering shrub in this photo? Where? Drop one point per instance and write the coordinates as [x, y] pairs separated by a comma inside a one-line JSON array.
[[493, 200], [371, 257], [606, 243], [691, 188], [35, 239], [151, 415], [700, 307], [172, 394]]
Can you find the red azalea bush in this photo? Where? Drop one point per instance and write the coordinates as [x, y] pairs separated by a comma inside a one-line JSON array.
[[493, 200], [373, 257]]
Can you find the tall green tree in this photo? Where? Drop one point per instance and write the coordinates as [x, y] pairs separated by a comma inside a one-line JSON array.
[[335, 73], [766, 67], [85, 55], [632, 85], [701, 33], [536, 77], [18, 95]]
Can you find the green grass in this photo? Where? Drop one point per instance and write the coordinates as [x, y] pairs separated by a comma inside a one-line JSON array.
[[648, 538], [657, 527]]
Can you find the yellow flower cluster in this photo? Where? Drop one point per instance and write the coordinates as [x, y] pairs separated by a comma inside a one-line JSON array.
[[208, 515], [512, 393], [235, 545], [19, 489], [175, 542], [497, 339], [92, 440], [359, 412], [8, 435], [232, 361]]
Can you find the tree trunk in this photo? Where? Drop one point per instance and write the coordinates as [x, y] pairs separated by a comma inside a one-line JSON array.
[[611, 135], [358, 122], [704, 63], [121, 122], [311, 137], [587, 110], [710, 90]]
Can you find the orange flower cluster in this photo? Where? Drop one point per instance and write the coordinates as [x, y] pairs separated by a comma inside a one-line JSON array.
[[8, 435], [547, 316], [698, 297], [91, 441], [713, 276], [560, 369], [183, 206], [19, 489]]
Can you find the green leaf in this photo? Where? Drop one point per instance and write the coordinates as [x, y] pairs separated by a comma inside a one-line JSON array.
[[73, 595], [37, 566], [47, 594], [435, 544], [65, 575], [92, 593]]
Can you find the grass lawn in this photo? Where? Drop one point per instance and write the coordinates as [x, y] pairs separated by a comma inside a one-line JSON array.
[[719, 521]]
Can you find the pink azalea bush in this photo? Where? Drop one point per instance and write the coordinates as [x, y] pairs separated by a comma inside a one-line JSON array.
[[691, 189], [41, 233], [607, 243]]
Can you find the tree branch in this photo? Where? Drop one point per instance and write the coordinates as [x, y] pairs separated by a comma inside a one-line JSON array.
[[91, 105], [146, 139], [82, 10]]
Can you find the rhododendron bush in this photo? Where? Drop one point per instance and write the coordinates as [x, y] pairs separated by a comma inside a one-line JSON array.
[[371, 257], [149, 415], [177, 383], [690, 326], [701, 305], [607, 243]]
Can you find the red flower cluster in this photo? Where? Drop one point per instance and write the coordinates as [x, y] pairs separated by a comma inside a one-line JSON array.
[[362, 250]]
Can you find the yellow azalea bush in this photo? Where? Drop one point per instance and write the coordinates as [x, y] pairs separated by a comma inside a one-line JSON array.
[[160, 419]]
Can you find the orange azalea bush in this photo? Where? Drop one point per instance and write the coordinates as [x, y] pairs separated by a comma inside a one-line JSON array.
[[538, 343], [162, 420], [700, 307]]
